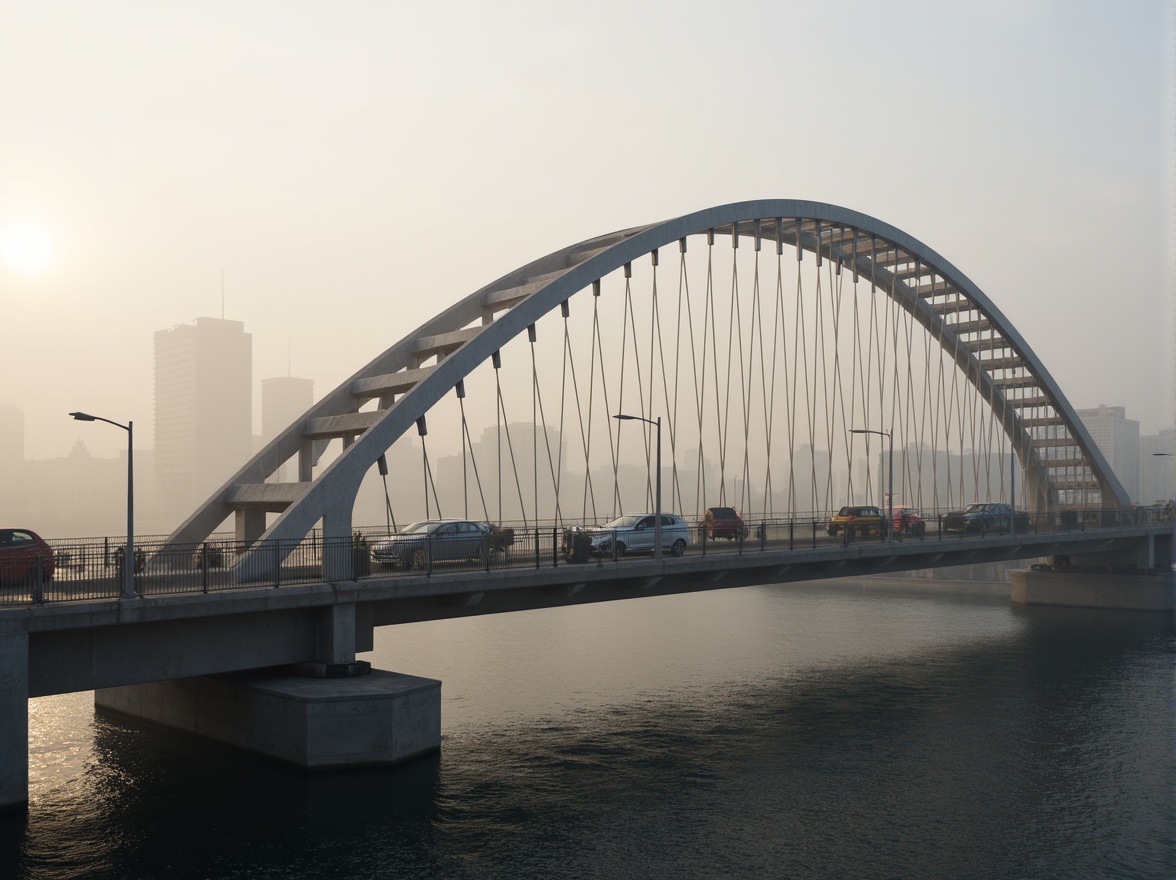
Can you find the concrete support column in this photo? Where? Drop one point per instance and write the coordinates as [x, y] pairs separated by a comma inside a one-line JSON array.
[[14, 720], [250, 525], [335, 634], [337, 563], [306, 459]]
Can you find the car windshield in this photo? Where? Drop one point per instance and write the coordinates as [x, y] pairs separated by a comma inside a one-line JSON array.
[[420, 528], [977, 508], [724, 513], [622, 522]]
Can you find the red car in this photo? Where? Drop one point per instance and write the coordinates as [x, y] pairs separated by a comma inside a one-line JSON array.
[[22, 553], [724, 522], [908, 521]]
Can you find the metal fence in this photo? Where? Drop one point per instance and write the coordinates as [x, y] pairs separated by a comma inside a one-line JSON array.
[[92, 568]]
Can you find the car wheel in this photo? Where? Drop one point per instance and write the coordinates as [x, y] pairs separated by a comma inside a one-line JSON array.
[[678, 547], [419, 559], [621, 548]]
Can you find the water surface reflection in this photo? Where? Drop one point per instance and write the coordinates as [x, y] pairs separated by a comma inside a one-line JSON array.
[[759, 732]]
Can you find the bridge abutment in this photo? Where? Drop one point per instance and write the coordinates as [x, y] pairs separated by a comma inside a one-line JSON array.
[[14, 720], [381, 718], [1082, 589]]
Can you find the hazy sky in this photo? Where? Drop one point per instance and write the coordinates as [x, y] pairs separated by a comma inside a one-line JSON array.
[[351, 168]]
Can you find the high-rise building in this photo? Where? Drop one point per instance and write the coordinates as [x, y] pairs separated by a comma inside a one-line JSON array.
[[283, 399], [1117, 437], [12, 435], [12, 456], [1157, 466], [203, 410]]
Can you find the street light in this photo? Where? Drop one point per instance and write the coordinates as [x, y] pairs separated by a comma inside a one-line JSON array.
[[889, 477], [657, 523], [129, 558]]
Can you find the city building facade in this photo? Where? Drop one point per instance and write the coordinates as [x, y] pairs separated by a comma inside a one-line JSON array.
[[203, 410], [1117, 437]]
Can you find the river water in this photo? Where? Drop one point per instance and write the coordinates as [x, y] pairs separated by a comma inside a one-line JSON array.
[[824, 730]]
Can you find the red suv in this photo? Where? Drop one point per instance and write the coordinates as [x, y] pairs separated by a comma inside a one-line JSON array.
[[724, 522], [22, 553]]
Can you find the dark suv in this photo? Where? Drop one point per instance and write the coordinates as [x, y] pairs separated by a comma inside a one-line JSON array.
[[980, 517]]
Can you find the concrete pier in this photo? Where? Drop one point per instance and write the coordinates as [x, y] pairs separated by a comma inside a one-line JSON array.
[[14, 720], [1129, 592], [376, 719]]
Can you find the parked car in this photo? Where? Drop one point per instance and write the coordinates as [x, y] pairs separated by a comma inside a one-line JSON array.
[[635, 534], [22, 554], [723, 522], [982, 516], [908, 521], [433, 539], [857, 520]]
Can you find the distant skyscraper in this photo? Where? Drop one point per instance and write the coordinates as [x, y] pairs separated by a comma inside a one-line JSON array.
[[1157, 465], [12, 443], [1117, 437], [203, 410], [283, 399], [12, 456]]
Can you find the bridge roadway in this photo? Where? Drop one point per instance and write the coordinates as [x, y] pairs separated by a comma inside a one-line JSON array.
[[83, 645]]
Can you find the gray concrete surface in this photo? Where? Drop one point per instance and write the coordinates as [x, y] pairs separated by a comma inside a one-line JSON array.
[[1128, 592], [377, 719], [14, 720]]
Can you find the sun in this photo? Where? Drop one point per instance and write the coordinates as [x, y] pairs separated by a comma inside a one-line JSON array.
[[24, 247]]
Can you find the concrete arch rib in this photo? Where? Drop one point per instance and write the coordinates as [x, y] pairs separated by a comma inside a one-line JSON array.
[[506, 307]]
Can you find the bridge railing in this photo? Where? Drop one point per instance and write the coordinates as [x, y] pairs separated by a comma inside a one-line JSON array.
[[90, 569]]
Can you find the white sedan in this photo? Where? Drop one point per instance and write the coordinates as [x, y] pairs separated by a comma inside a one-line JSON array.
[[635, 534]]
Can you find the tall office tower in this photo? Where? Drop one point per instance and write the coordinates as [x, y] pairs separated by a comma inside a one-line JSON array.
[[203, 411], [283, 399], [1117, 437], [1157, 466], [12, 455], [12, 436]]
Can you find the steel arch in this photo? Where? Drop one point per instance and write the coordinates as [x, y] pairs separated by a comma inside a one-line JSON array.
[[987, 348]]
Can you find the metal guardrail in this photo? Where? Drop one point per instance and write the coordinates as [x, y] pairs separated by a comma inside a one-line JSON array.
[[87, 569]]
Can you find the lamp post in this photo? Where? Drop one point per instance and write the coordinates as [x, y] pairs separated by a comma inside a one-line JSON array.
[[129, 557], [889, 477], [657, 523]]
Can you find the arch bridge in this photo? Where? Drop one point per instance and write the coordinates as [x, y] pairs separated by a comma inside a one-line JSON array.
[[767, 335], [772, 341]]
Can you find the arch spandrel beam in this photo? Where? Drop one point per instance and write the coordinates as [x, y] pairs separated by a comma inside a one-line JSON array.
[[504, 315]]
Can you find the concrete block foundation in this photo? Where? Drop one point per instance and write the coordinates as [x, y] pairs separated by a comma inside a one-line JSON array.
[[1127, 592], [377, 719]]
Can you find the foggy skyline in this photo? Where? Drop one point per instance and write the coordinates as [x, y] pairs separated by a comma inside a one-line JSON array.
[[351, 173]]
